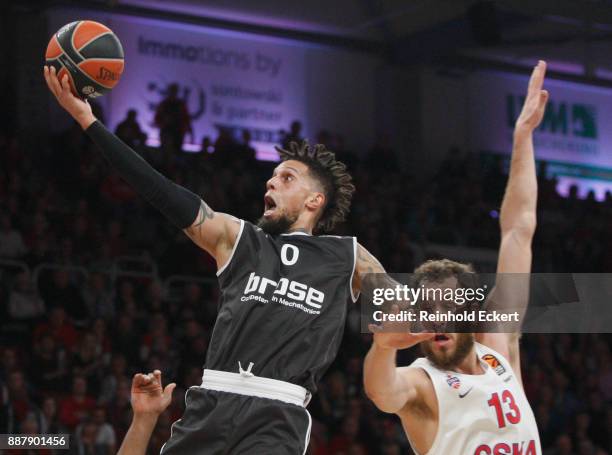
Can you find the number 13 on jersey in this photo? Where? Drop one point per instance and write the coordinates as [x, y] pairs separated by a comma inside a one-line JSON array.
[[513, 415]]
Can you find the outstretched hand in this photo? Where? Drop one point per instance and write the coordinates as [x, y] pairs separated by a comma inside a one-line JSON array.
[[148, 396], [535, 103], [396, 335], [80, 110]]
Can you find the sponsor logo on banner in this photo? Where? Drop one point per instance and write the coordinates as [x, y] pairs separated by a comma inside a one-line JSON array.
[[572, 138], [563, 118], [231, 82], [494, 363]]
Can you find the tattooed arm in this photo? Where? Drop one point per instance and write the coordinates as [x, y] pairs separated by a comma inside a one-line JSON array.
[[214, 232], [369, 274], [366, 263]]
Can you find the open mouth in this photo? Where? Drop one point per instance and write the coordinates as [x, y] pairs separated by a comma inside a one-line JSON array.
[[269, 205], [441, 340]]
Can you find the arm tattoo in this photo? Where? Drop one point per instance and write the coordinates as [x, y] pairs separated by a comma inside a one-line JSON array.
[[204, 214], [367, 262], [371, 273]]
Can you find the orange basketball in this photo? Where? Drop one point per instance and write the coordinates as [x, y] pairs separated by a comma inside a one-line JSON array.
[[90, 53]]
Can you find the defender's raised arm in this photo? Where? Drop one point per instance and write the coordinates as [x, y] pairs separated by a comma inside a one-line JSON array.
[[518, 220]]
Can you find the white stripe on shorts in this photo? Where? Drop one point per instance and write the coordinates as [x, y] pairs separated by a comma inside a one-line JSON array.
[[256, 386]]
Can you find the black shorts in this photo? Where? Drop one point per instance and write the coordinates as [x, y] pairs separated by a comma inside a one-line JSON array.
[[228, 423]]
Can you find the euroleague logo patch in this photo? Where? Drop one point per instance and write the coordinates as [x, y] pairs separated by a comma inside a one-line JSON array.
[[494, 363], [453, 381]]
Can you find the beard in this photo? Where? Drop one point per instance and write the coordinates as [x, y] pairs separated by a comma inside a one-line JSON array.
[[276, 226], [448, 360]]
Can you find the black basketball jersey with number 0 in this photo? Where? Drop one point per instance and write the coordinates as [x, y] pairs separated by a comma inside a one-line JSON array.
[[283, 304]]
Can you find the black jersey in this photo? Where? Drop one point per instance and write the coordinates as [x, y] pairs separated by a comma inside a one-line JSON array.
[[283, 304]]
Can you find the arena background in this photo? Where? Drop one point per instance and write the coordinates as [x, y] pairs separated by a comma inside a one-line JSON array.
[[418, 97]]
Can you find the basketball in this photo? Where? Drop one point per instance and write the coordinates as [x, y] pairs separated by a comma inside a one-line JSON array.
[[90, 53]]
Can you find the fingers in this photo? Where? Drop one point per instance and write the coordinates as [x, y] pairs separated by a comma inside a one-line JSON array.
[[145, 383], [535, 81], [49, 73], [150, 383], [543, 97], [375, 328], [157, 376], [56, 87], [46, 75], [537, 78], [138, 379], [65, 84], [169, 389], [423, 336]]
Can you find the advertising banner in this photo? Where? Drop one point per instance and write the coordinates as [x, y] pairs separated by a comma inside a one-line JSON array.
[[574, 137], [228, 79]]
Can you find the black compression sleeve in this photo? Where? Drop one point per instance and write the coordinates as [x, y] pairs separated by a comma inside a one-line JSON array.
[[178, 204]]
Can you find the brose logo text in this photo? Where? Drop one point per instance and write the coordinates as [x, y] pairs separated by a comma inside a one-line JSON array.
[[299, 293]]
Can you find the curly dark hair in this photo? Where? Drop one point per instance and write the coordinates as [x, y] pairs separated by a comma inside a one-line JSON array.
[[437, 270], [333, 176]]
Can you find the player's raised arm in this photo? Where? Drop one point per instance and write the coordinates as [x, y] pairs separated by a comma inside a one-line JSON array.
[[518, 219], [214, 232]]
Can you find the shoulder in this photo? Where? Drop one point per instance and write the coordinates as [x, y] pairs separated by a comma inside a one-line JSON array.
[[247, 229], [416, 372]]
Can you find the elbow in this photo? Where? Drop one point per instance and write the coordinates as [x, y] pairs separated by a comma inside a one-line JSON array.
[[382, 401], [367, 388], [370, 392], [523, 226]]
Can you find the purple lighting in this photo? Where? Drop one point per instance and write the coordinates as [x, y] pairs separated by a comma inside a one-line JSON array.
[[232, 15], [230, 81]]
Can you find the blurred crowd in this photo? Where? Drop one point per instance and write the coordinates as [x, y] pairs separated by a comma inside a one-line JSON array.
[[74, 332]]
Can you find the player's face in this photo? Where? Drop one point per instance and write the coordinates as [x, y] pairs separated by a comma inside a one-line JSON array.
[[448, 350], [286, 194]]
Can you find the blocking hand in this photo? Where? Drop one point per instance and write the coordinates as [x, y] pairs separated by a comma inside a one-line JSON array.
[[148, 396], [396, 335], [535, 103]]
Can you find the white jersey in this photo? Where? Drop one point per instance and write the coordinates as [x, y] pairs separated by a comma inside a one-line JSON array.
[[485, 414]]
